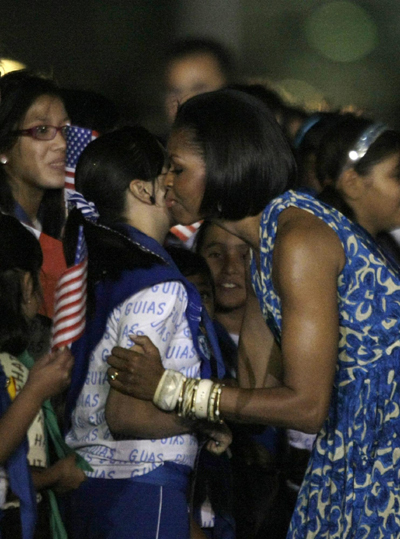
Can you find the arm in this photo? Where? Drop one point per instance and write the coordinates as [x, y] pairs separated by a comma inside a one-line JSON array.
[[62, 476], [307, 259], [50, 375], [127, 415], [133, 417]]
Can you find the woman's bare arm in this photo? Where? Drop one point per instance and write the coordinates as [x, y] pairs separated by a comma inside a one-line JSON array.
[[307, 259]]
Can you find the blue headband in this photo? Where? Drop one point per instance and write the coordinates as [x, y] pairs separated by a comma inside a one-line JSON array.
[[305, 128], [367, 138]]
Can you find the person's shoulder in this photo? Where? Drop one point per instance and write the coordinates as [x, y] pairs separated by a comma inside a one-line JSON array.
[[297, 223], [303, 235]]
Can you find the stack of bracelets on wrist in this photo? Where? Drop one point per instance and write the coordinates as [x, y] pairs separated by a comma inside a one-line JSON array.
[[191, 398]]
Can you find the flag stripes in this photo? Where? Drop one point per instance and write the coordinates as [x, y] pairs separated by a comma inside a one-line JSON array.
[[184, 233], [70, 299]]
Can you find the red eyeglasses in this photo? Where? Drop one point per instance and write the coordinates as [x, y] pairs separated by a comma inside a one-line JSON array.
[[43, 132]]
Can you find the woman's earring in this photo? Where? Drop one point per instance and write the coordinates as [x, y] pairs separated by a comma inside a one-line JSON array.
[[3, 160], [151, 197]]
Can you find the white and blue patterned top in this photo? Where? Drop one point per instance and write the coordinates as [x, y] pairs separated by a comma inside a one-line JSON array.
[[352, 484], [159, 313]]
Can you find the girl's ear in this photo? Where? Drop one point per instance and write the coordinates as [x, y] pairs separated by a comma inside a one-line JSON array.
[[27, 288], [139, 190], [351, 184]]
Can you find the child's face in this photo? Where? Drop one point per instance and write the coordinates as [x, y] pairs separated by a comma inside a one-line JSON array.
[[205, 288], [226, 257]]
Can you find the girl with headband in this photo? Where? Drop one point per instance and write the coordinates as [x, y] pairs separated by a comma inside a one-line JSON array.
[[330, 299], [141, 457]]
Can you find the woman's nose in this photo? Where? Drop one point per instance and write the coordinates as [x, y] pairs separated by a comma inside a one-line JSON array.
[[59, 141], [168, 179]]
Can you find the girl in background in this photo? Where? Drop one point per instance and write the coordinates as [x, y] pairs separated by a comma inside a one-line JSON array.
[[33, 127], [24, 392]]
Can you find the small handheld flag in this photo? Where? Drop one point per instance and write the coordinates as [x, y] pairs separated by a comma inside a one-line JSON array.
[[70, 299]]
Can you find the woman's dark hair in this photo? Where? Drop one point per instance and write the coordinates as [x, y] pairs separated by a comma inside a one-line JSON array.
[[20, 252], [103, 174], [248, 159], [107, 166], [269, 97], [18, 92], [333, 155]]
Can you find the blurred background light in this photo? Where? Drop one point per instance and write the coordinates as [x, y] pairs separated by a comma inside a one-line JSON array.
[[341, 31], [301, 93], [7, 65]]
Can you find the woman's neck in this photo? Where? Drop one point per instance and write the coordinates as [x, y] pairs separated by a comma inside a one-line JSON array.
[[247, 229], [29, 199]]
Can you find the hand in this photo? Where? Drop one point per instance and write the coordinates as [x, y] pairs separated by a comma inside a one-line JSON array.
[[69, 476], [220, 437], [137, 371], [51, 374]]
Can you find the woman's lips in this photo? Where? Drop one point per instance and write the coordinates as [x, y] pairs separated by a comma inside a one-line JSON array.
[[169, 202], [58, 165]]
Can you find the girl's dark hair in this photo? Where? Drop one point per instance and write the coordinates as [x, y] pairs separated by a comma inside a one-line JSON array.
[[105, 169], [189, 262], [248, 159], [107, 166], [18, 92], [20, 252], [333, 156]]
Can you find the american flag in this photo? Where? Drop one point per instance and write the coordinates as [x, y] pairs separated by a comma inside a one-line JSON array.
[[70, 299], [77, 140], [184, 233], [70, 295]]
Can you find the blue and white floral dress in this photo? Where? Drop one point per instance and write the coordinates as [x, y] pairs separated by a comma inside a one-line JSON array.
[[352, 484]]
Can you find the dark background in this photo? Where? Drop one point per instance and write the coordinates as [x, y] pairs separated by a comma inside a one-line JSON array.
[[314, 52]]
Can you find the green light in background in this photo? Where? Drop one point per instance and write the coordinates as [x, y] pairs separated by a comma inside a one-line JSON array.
[[300, 93], [341, 31]]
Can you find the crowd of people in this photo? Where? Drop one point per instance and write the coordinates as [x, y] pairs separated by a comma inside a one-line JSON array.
[[237, 382]]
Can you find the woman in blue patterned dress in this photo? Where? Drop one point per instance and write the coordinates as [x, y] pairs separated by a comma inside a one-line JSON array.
[[330, 298]]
